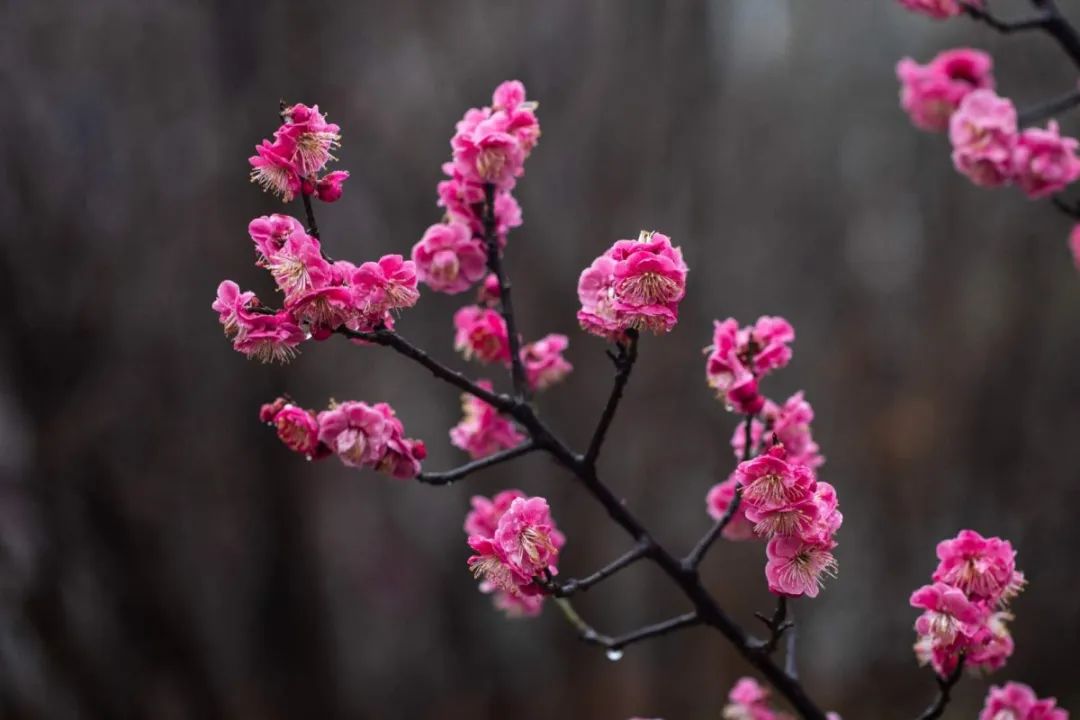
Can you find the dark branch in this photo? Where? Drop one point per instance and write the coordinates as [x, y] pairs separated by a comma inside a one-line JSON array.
[[1050, 108], [624, 361], [568, 588], [791, 661], [1071, 210], [1005, 26], [693, 560], [451, 476], [313, 227], [945, 686], [506, 304], [778, 624], [391, 339]]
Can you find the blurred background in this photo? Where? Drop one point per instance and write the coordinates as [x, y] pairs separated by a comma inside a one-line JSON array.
[[163, 556]]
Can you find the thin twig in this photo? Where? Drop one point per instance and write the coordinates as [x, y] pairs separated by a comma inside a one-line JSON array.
[[391, 339], [945, 686], [451, 476], [624, 361], [693, 560], [791, 661], [617, 643], [778, 624], [506, 304], [983, 14], [569, 587], [1050, 108], [1069, 209]]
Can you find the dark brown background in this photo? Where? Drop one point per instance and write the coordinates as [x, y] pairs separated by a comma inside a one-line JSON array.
[[164, 557]]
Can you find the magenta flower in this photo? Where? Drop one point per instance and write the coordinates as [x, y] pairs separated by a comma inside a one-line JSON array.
[[938, 9], [997, 645], [297, 429], [769, 481], [636, 284], [982, 568], [380, 287], [931, 93], [485, 513], [748, 700], [402, 456], [481, 333], [788, 425], [949, 615], [355, 431], [274, 171], [448, 259], [271, 232], [233, 307], [314, 138], [717, 502], [1044, 162], [544, 362], [795, 567], [328, 188], [1016, 701], [269, 337], [488, 294], [738, 357], [483, 431], [983, 135], [524, 545]]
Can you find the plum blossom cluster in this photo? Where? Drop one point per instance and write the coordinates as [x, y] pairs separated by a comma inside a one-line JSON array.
[[774, 494], [318, 295], [739, 358], [483, 431], [489, 147], [1016, 701], [964, 619], [634, 285], [515, 542], [361, 435], [955, 92], [290, 164]]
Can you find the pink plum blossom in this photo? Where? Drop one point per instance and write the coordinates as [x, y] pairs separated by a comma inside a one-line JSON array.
[[485, 513], [274, 171], [544, 362], [271, 232], [948, 613], [738, 357], [448, 259], [983, 135], [748, 700], [481, 333], [328, 188], [269, 337], [402, 456], [488, 294], [381, 287], [795, 567], [524, 545], [483, 431], [931, 93], [938, 9], [718, 500], [788, 425], [1016, 701], [996, 645], [233, 306], [1044, 162], [464, 204], [982, 568], [297, 429], [769, 481], [636, 284], [355, 431]]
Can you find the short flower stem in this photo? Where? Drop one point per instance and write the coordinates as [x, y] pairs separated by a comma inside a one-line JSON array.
[[451, 476], [313, 227], [588, 634], [945, 686]]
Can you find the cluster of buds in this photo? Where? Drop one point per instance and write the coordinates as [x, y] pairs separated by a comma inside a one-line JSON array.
[[361, 435], [634, 285], [964, 617], [516, 543], [290, 164]]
